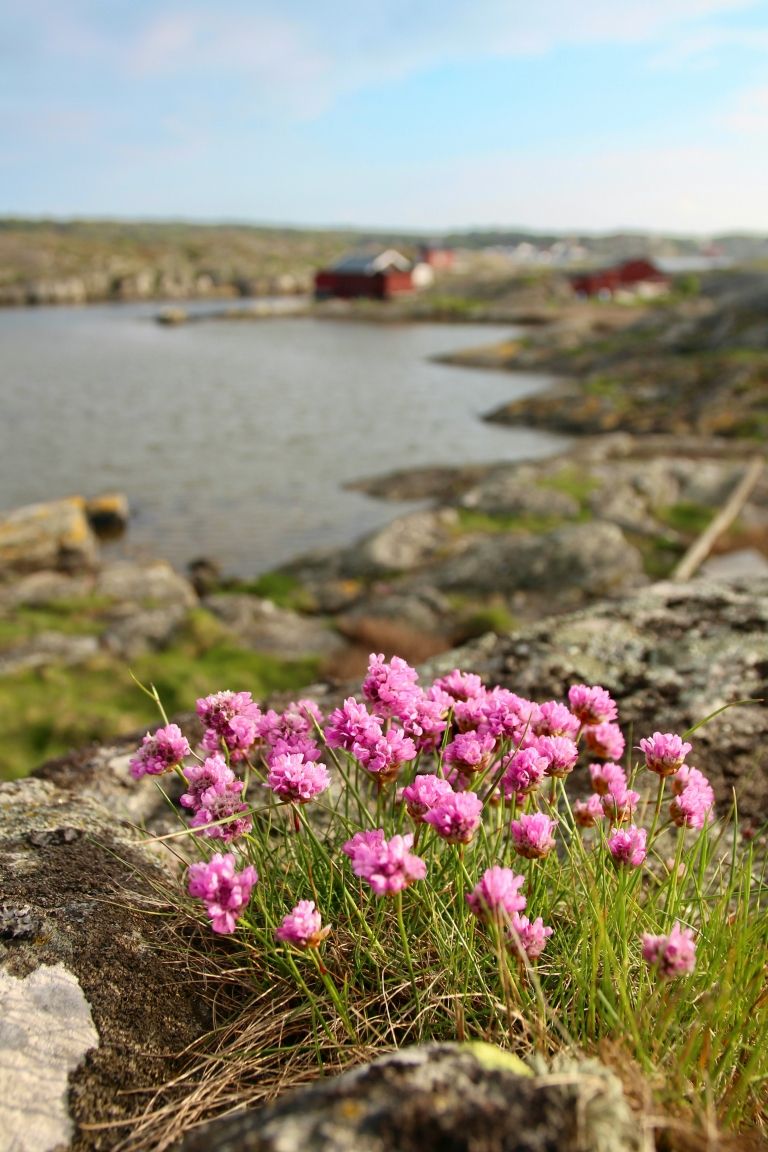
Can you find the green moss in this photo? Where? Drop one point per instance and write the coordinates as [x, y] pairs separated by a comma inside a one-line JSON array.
[[76, 617], [688, 518], [282, 588], [659, 554], [572, 482], [47, 712], [472, 521]]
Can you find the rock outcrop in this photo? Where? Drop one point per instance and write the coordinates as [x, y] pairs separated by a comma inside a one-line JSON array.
[[90, 964], [439, 1098]]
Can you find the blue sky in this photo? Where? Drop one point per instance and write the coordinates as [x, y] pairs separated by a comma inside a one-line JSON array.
[[427, 114]]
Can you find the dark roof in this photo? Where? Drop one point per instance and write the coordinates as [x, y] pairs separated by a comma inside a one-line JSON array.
[[369, 263]]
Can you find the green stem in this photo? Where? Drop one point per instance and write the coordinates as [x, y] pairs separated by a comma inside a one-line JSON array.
[[406, 948]]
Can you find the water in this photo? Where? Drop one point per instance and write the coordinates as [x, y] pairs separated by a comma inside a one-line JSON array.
[[233, 439]]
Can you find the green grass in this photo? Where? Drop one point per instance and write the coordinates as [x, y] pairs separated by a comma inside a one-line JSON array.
[[75, 617], [571, 482], [471, 521]]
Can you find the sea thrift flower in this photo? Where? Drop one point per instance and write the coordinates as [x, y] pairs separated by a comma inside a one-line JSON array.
[[672, 955], [159, 753], [461, 685], [605, 740], [384, 753], [456, 817], [224, 891], [553, 719], [523, 771], [608, 777], [424, 793], [507, 715], [351, 724], [212, 773], [627, 846], [470, 752], [664, 752], [560, 752], [469, 715], [532, 835], [694, 804], [223, 805], [424, 720], [619, 804], [528, 936], [294, 724], [387, 865], [302, 927], [292, 778], [363, 842], [591, 705], [587, 813], [389, 686], [497, 895], [231, 717], [296, 745]]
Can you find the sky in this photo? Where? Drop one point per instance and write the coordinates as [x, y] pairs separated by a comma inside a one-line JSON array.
[[566, 115]]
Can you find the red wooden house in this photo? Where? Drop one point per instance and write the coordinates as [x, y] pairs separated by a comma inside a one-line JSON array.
[[629, 275], [378, 275]]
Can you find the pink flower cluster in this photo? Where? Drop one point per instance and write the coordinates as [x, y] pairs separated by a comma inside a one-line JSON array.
[[224, 891], [355, 730], [533, 835], [497, 899], [216, 794], [159, 753], [456, 816], [665, 752], [388, 866], [694, 801], [672, 955], [231, 720], [303, 927], [295, 779]]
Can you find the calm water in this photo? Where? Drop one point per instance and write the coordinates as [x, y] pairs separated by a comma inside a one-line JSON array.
[[233, 440]]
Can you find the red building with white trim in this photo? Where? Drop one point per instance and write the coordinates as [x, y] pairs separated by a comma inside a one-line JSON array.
[[628, 276], [378, 275]]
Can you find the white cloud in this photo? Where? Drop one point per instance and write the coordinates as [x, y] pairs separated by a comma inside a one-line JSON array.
[[748, 113]]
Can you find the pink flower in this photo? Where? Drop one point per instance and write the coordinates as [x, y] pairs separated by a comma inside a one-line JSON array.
[[554, 719], [424, 793], [363, 842], [497, 895], [351, 724], [664, 752], [672, 955], [224, 891], [302, 927], [390, 686], [461, 685], [591, 705], [222, 803], [294, 724], [619, 804], [292, 778], [456, 816], [528, 937], [387, 865], [507, 715], [607, 777], [587, 813], [605, 740], [212, 773], [693, 805], [560, 752], [384, 753], [423, 720], [532, 835], [159, 753], [231, 717], [470, 752], [523, 771], [627, 846]]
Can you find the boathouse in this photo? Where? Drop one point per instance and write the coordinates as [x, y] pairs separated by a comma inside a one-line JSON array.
[[378, 275], [630, 276]]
